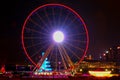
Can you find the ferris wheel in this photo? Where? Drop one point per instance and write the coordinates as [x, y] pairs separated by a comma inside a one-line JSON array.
[[59, 32]]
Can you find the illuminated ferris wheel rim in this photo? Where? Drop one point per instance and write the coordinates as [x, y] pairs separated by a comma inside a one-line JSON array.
[[61, 5]]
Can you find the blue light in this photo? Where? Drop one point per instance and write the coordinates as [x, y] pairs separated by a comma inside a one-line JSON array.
[[45, 66]]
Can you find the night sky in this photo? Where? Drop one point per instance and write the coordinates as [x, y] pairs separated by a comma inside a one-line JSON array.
[[102, 18]]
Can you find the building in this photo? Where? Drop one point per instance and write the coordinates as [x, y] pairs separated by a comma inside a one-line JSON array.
[[113, 54], [89, 57], [92, 65]]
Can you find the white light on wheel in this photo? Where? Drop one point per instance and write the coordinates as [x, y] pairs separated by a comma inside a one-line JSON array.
[[58, 36]]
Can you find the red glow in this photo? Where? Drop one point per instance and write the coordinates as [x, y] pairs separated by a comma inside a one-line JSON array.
[[3, 69]]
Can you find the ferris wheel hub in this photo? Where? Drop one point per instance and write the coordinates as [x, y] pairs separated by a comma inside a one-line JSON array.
[[58, 36]]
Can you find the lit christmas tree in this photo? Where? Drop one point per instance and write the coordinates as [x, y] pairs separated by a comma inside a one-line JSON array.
[[45, 66]]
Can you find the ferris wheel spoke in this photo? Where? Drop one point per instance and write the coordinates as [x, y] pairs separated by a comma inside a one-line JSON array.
[[37, 44], [76, 47], [50, 55], [70, 23], [53, 57], [65, 57], [56, 60], [77, 41], [76, 34], [37, 52], [49, 21], [59, 19], [32, 37], [53, 13], [68, 59], [38, 24], [35, 31], [70, 50], [33, 45], [66, 17], [63, 61], [47, 26]]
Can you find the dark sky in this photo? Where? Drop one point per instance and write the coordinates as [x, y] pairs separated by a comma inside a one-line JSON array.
[[102, 18]]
